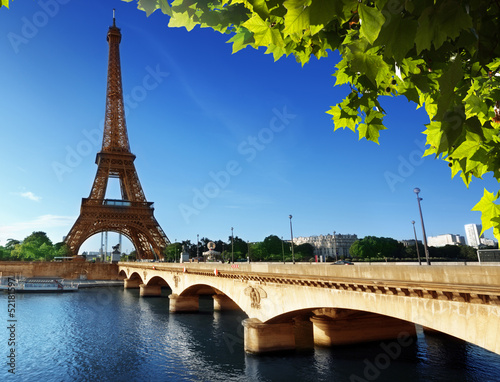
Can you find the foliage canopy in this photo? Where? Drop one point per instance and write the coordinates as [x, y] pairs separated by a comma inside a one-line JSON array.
[[443, 55], [36, 246]]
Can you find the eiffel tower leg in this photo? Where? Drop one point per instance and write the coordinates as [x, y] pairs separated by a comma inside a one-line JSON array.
[[74, 238]]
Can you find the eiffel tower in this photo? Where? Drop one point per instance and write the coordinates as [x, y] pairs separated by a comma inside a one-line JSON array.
[[132, 215]]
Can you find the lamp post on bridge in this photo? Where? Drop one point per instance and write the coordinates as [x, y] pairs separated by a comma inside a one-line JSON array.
[[416, 190], [291, 234], [232, 246], [335, 245], [197, 246], [416, 242]]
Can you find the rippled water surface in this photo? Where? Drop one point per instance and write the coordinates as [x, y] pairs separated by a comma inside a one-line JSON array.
[[110, 334]]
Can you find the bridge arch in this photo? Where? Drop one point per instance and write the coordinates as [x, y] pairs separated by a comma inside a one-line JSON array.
[[157, 280]]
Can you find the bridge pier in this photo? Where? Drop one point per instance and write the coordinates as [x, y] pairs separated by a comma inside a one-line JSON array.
[[222, 302], [264, 338], [358, 328], [149, 290], [303, 333], [180, 304], [131, 283]]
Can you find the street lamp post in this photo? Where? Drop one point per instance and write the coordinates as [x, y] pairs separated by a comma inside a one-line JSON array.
[[232, 246], [417, 191], [416, 242], [197, 247], [335, 246], [248, 245], [291, 235]]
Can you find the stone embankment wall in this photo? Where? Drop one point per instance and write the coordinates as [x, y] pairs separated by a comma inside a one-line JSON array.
[[67, 270]]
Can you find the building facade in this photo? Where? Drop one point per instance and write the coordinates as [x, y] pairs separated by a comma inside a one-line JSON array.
[[336, 245], [410, 243], [488, 242], [473, 234], [446, 239]]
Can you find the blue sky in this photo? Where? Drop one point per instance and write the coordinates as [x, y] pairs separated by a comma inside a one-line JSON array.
[[222, 140]]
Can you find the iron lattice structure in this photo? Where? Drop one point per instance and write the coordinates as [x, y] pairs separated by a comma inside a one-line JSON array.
[[132, 215]]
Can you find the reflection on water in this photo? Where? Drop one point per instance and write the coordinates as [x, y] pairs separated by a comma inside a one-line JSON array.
[[110, 334]]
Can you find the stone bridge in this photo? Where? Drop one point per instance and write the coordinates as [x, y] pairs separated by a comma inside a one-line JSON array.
[[295, 307]]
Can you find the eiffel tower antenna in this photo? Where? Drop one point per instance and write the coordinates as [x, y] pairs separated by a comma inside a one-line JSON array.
[[132, 215]]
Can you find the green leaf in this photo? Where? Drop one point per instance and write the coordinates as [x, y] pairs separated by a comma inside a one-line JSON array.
[[263, 33], [466, 150], [276, 51], [398, 37], [343, 118], [323, 11], [148, 6], [440, 23], [367, 62], [371, 130], [183, 19], [297, 17], [476, 107], [371, 20], [165, 7], [490, 212], [447, 83], [241, 39]]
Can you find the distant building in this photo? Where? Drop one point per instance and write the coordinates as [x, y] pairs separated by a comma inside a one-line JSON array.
[[488, 242], [446, 239], [473, 234], [409, 243], [329, 245]]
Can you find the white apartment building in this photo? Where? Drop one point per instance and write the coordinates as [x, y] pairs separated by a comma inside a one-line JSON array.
[[329, 245], [488, 242], [473, 234], [446, 239]]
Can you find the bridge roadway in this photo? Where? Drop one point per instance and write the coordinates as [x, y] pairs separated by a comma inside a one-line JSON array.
[[299, 306]]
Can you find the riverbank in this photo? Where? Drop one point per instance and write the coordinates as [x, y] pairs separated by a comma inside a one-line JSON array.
[[99, 283], [78, 270]]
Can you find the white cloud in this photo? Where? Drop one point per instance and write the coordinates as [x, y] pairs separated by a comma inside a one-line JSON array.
[[31, 196], [53, 225]]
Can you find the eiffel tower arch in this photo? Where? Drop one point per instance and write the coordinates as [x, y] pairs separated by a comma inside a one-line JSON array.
[[132, 215]]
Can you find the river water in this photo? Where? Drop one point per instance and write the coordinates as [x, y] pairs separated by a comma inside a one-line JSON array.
[[111, 334]]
